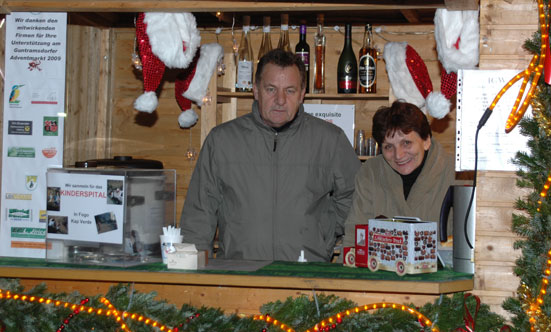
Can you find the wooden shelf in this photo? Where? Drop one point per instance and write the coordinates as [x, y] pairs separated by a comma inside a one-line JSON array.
[[225, 96], [237, 292], [230, 280]]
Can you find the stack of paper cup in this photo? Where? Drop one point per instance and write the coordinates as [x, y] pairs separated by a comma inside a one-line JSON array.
[[170, 236]]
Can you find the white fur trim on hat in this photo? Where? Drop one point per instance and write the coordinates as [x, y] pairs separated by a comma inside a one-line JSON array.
[[168, 34], [448, 27], [187, 118], [400, 78], [206, 64], [437, 105], [147, 102]]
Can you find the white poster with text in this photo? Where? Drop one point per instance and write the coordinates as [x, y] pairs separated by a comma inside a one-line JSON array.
[[340, 115], [33, 110], [476, 89]]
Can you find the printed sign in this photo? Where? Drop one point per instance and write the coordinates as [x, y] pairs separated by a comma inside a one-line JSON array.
[[339, 115], [16, 127], [85, 207]]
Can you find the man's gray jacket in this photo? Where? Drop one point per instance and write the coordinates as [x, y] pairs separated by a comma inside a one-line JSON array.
[[272, 194]]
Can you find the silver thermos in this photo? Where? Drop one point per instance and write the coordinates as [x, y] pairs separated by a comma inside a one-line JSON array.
[[459, 197]]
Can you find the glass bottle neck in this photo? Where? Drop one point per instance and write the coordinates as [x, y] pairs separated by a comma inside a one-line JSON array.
[[347, 36], [368, 37], [303, 33]]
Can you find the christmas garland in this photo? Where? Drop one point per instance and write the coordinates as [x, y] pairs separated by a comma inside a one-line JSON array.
[[124, 309]]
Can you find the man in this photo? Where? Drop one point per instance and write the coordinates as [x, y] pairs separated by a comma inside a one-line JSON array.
[[411, 175], [275, 181]]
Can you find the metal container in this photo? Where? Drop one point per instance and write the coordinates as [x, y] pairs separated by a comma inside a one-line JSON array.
[[459, 197], [142, 198]]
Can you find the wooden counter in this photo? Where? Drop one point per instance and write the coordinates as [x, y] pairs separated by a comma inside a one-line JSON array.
[[242, 292]]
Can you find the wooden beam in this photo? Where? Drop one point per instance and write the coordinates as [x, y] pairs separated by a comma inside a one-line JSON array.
[[461, 4], [411, 16], [196, 6]]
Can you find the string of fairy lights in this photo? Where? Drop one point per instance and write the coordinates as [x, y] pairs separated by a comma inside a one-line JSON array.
[[539, 321], [332, 322], [110, 311], [121, 317]]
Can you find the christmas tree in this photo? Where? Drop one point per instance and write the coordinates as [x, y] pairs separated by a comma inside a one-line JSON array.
[[531, 308]]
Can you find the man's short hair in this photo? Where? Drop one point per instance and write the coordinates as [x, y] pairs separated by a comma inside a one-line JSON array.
[[280, 58], [401, 116]]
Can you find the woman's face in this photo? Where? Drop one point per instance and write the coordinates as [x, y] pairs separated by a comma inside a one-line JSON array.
[[404, 152]]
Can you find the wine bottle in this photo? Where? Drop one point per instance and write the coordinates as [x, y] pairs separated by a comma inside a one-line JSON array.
[[302, 49], [367, 64], [244, 81], [266, 45], [319, 57], [347, 68], [284, 34]]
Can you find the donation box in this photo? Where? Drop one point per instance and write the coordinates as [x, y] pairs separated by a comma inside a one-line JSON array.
[[404, 246], [108, 216]]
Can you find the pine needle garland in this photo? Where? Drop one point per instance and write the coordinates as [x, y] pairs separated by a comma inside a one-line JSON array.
[[301, 313]]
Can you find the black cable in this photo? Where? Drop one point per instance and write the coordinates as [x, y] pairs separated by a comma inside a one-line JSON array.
[[472, 192], [481, 124]]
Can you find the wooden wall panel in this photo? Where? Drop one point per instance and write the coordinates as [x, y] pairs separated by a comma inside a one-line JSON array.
[[499, 40], [88, 94], [505, 12]]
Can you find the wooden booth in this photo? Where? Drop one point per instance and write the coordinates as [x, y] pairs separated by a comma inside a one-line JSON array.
[[101, 122]]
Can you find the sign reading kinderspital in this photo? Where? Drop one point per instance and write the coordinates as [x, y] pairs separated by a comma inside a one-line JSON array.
[[85, 207]]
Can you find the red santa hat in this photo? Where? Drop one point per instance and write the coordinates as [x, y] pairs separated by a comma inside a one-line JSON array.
[[193, 86], [164, 39], [457, 38], [410, 79]]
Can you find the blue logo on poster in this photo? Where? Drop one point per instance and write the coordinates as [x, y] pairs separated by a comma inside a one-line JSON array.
[[15, 94]]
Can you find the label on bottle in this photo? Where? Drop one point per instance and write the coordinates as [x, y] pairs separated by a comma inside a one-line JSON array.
[[244, 75], [305, 56], [347, 84], [367, 71]]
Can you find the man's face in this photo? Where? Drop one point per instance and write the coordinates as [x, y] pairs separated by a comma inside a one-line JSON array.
[[404, 153], [279, 94]]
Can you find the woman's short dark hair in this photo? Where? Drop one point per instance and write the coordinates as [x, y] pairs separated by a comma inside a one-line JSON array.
[[280, 58], [401, 116]]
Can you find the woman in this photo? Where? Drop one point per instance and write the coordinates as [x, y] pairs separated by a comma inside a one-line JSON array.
[[409, 178]]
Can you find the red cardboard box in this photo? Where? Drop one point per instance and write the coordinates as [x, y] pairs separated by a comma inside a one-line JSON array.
[[361, 245], [348, 256]]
